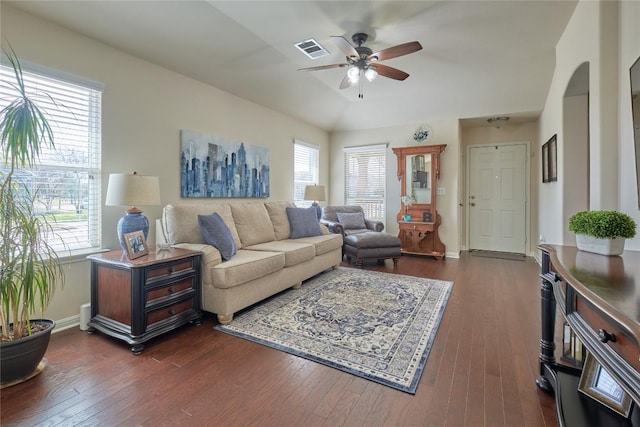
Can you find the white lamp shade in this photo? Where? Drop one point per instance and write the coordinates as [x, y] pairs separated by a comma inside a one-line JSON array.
[[314, 192], [133, 190]]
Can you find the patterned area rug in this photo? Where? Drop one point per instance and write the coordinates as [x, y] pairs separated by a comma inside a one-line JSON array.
[[378, 326]]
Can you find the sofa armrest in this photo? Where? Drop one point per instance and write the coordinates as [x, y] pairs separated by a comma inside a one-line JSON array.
[[210, 255], [334, 227], [374, 225]]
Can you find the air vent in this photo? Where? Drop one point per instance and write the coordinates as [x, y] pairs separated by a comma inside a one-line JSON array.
[[312, 49]]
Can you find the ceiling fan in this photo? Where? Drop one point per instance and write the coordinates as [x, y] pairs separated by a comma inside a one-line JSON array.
[[362, 61]]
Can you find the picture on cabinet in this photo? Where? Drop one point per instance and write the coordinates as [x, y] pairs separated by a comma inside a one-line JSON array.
[[599, 385], [136, 244]]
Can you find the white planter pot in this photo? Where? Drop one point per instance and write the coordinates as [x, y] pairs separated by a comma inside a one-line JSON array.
[[600, 246]]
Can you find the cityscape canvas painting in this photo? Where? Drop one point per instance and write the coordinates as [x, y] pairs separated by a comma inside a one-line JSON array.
[[211, 166]]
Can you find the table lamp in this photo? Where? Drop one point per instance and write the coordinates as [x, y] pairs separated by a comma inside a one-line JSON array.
[[132, 190], [316, 194]]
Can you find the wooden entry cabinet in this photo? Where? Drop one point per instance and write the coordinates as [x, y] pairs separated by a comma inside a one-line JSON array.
[[418, 173]]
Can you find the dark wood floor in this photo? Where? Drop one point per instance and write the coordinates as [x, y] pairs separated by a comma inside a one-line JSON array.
[[481, 370]]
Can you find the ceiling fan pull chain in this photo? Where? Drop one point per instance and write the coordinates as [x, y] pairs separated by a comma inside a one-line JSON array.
[[360, 88]]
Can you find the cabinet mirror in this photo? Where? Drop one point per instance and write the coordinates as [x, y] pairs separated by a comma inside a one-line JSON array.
[[419, 185], [418, 173]]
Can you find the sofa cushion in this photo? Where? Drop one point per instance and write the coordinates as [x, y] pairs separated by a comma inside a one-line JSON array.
[[294, 252], [303, 222], [217, 234], [323, 244], [246, 266], [253, 223], [351, 220], [278, 215], [180, 222]]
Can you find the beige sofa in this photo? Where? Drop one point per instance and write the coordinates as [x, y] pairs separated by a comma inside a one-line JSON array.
[[267, 260]]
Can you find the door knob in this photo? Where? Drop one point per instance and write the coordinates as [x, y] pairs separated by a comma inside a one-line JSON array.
[[472, 204]]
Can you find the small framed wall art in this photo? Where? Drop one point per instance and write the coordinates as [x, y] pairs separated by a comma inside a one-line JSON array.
[[136, 244], [549, 156]]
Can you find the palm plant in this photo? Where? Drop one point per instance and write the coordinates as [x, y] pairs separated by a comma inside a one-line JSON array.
[[29, 266]]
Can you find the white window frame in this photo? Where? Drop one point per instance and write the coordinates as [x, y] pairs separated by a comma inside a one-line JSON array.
[[75, 117], [366, 186], [306, 170]]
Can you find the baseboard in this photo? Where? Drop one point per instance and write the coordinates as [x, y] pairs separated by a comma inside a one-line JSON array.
[[455, 255], [67, 323]]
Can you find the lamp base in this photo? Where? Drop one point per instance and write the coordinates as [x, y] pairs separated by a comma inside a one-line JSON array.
[[318, 209], [130, 222]]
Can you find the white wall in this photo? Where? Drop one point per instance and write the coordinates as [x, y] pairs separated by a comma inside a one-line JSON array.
[[444, 132], [592, 36], [144, 108]]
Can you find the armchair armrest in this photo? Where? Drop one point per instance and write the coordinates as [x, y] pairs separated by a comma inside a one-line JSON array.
[[374, 225], [334, 227]]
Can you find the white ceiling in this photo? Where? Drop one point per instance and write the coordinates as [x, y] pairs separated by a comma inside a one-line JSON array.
[[479, 58]]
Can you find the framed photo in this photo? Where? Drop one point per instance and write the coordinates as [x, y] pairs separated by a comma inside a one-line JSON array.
[[545, 163], [553, 159], [136, 244], [550, 160], [596, 383]]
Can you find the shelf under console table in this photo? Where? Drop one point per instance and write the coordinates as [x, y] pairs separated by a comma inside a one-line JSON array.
[[599, 296]]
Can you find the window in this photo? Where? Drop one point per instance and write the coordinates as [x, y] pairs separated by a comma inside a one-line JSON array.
[[66, 179], [305, 170], [364, 179]]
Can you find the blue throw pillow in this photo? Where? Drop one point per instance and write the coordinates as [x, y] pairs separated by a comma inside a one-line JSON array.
[[351, 220], [303, 222], [217, 234]]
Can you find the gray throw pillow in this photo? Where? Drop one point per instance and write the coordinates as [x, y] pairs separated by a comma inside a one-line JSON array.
[[351, 220], [303, 222], [217, 234]]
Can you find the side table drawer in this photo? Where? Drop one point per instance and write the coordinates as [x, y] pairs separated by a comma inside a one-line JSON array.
[[167, 312], [166, 270], [625, 345], [419, 226], [171, 290]]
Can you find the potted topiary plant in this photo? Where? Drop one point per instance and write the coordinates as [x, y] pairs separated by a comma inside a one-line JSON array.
[[602, 232], [29, 267]]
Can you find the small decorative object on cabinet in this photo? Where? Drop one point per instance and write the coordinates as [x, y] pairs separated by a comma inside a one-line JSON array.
[[136, 300], [422, 134], [418, 173], [602, 232]]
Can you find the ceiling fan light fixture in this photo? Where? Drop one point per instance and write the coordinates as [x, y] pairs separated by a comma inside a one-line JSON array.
[[370, 73], [353, 73]]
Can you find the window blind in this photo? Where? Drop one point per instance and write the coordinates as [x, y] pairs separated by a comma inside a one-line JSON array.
[[66, 178], [364, 179], [305, 170]]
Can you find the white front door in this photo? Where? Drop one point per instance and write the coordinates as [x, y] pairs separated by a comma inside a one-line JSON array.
[[497, 198]]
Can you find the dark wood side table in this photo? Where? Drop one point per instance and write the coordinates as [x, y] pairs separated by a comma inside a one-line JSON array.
[[599, 296], [136, 300]]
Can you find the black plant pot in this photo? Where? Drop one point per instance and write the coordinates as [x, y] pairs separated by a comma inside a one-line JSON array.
[[19, 359]]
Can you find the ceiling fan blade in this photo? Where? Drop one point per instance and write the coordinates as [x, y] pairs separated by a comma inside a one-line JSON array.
[[395, 51], [322, 67], [346, 47], [345, 83], [390, 72]]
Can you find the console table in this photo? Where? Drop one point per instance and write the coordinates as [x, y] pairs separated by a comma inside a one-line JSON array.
[[600, 298]]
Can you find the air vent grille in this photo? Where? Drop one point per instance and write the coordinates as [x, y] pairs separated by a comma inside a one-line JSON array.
[[312, 49]]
